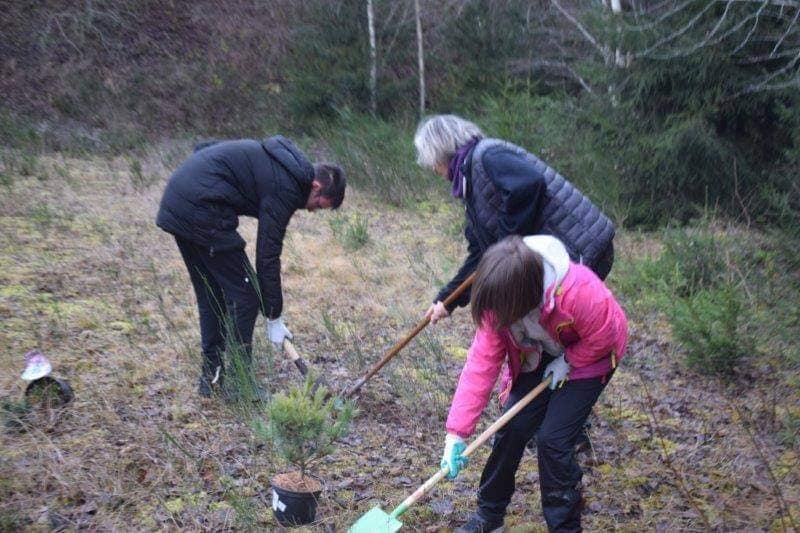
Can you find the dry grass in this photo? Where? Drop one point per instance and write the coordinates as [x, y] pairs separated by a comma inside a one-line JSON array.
[[87, 277]]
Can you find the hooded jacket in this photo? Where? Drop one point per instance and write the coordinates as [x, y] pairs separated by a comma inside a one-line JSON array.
[[205, 196], [578, 315]]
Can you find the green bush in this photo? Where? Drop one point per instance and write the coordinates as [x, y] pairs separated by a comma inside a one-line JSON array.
[[302, 425], [553, 129], [709, 325], [695, 259], [478, 46], [327, 66], [378, 156], [789, 432], [691, 259], [683, 125]]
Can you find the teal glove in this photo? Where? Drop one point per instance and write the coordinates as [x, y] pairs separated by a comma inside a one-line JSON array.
[[452, 459]]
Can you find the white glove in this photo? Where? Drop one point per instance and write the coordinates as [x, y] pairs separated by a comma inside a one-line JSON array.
[[277, 331], [559, 368]]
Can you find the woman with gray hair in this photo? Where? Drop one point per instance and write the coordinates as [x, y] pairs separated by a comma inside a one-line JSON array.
[[508, 191]]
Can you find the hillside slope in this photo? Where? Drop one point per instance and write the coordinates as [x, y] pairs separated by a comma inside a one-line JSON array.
[[87, 277]]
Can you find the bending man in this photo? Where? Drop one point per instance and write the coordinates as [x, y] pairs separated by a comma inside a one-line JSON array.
[[268, 180]]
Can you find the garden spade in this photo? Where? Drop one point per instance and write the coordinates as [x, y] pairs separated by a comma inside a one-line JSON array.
[[298, 361], [302, 366], [378, 521], [400, 345]]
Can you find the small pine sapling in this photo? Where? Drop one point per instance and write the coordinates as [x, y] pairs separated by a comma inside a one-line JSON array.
[[303, 426]]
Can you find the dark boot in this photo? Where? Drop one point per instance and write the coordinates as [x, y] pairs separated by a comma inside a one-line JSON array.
[[562, 509], [476, 524], [211, 381]]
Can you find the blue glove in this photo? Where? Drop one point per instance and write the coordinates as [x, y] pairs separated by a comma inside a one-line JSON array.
[[454, 446], [559, 368]]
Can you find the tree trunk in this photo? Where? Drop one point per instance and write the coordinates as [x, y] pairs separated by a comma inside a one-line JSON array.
[[373, 57], [421, 60]]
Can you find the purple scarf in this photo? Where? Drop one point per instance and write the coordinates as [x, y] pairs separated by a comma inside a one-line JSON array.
[[454, 170]]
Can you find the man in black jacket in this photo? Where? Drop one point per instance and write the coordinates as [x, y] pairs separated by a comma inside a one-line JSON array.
[[268, 180]]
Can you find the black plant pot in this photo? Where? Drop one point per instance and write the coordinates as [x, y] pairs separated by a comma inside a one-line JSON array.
[[49, 392], [292, 508]]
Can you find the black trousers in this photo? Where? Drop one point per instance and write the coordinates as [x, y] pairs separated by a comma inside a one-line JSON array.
[[555, 418], [605, 262], [227, 301]]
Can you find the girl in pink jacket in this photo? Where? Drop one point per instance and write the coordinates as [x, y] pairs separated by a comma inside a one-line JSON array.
[[537, 314]]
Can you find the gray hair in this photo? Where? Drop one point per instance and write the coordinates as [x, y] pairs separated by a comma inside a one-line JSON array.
[[438, 137]]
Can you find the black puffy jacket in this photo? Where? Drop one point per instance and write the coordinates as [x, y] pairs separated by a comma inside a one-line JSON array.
[[508, 191], [268, 180]]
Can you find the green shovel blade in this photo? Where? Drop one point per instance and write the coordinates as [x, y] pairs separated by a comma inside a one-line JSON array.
[[376, 521]]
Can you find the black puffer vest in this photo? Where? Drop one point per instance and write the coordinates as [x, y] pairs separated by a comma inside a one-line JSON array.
[[562, 211]]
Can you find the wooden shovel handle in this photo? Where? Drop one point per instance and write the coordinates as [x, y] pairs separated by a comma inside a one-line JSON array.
[[400, 345], [483, 437], [508, 415], [298, 361]]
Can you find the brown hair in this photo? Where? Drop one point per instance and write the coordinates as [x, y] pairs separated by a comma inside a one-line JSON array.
[[333, 182], [508, 283]]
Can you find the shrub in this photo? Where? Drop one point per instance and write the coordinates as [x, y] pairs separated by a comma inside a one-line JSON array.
[[690, 260], [302, 425], [554, 130], [43, 215], [352, 232], [709, 326], [379, 156], [327, 65], [695, 258], [138, 179]]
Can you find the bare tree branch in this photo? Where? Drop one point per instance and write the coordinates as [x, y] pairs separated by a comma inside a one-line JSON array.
[[676, 34], [420, 59], [788, 30], [752, 30], [373, 59], [559, 66], [604, 52]]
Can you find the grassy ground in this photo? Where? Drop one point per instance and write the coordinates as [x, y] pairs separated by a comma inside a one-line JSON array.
[[87, 277]]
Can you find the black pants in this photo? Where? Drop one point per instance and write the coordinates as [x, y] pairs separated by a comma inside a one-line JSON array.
[[605, 262], [227, 301], [555, 418]]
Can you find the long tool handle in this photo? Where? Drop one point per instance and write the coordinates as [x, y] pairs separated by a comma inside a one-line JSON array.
[[486, 435], [508, 415], [400, 345], [302, 366], [298, 361]]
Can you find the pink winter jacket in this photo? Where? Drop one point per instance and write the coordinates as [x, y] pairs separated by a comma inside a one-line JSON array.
[[583, 317]]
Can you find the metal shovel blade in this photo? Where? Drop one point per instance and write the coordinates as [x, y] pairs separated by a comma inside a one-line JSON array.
[[376, 521]]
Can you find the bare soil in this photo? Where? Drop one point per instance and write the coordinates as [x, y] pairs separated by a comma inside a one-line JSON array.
[[296, 482]]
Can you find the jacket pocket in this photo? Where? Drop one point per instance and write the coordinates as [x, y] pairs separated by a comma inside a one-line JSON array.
[[566, 334]]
